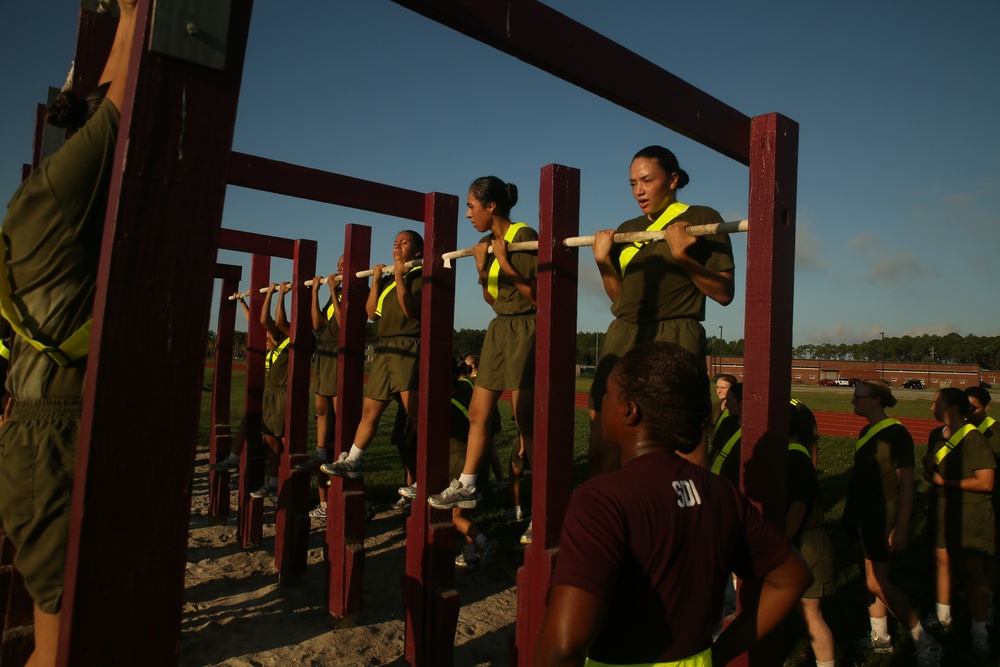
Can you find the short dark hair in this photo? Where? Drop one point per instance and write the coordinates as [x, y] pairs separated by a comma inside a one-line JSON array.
[[70, 112], [418, 240], [979, 394], [956, 398], [670, 388], [667, 161]]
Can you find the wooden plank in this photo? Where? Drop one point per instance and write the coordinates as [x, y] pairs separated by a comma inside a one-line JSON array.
[[555, 43], [345, 530], [165, 206], [291, 543], [220, 445], [257, 244], [768, 337], [259, 173], [430, 560], [559, 218]]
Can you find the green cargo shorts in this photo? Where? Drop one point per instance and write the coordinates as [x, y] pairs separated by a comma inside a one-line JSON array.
[[507, 360], [37, 465], [395, 367]]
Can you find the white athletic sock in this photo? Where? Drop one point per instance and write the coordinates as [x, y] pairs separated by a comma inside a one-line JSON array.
[[826, 663], [944, 613], [517, 509], [918, 633], [323, 505], [880, 626], [355, 454], [468, 481], [321, 452]]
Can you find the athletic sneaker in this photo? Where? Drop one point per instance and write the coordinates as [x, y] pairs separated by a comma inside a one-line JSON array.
[[409, 492], [981, 645], [520, 515], [225, 466], [343, 467], [265, 492], [929, 653], [455, 495], [369, 512], [526, 537], [486, 553], [318, 513], [402, 504], [875, 644], [935, 624], [469, 558], [312, 464]]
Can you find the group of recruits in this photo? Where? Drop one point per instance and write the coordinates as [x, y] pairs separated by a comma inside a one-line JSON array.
[[649, 542]]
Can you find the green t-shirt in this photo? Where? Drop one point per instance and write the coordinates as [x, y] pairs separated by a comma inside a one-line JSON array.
[[655, 287], [508, 300], [53, 231], [393, 321], [972, 453]]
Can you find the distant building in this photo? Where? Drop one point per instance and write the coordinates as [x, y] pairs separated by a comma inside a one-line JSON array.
[[811, 371]]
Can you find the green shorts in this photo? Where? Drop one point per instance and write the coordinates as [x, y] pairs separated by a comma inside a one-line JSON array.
[[507, 360], [323, 367], [395, 367], [272, 409], [963, 528], [37, 465], [622, 336], [874, 523], [817, 551]]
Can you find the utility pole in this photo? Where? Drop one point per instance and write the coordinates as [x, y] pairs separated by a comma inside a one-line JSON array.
[[882, 334]]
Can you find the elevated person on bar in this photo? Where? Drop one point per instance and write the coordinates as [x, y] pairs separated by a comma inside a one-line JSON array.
[[657, 289]]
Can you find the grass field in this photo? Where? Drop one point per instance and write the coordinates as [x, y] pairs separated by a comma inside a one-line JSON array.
[[845, 610]]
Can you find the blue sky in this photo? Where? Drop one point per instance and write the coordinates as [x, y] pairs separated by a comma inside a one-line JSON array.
[[899, 153]]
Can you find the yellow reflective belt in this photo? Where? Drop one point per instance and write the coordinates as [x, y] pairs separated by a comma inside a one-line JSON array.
[[492, 283], [952, 443], [275, 353], [725, 413], [726, 448], [798, 447], [388, 288], [986, 423], [703, 659], [668, 216], [73, 348], [885, 423]]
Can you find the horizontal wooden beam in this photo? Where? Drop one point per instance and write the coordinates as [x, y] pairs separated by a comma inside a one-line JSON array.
[[256, 244], [541, 36]]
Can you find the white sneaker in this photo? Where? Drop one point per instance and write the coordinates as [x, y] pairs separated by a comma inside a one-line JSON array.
[[343, 467], [409, 492], [318, 513], [526, 537], [455, 495]]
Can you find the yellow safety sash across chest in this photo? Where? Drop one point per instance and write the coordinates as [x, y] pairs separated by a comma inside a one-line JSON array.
[[388, 288], [329, 309], [953, 442], [724, 452], [75, 347], [885, 423], [493, 281], [275, 353], [722, 418], [458, 404], [986, 423], [703, 659], [661, 223], [799, 447]]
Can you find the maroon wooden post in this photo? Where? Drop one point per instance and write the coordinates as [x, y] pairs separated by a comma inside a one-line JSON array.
[[164, 208], [768, 330], [222, 386], [551, 482], [429, 596], [345, 498], [291, 529], [18, 638], [250, 522]]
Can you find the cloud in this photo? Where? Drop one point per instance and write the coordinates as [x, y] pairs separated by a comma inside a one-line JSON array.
[[809, 252], [900, 267]]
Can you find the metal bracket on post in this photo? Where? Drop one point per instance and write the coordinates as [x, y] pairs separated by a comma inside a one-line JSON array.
[[191, 30]]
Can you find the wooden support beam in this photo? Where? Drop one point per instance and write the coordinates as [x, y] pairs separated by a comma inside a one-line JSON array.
[[345, 498], [551, 481], [259, 173], [291, 529], [428, 584], [256, 244], [221, 438], [165, 206], [768, 328], [555, 43]]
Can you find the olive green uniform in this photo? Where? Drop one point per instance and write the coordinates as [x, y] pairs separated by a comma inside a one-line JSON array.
[[395, 364], [658, 300], [323, 380], [811, 540], [963, 521], [52, 232], [507, 360], [275, 392]]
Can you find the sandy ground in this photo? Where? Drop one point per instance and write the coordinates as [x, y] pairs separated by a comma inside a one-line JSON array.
[[235, 613]]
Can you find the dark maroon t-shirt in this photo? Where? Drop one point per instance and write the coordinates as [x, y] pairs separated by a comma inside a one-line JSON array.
[[656, 542]]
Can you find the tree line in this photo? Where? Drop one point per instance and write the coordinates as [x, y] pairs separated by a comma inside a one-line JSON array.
[[982, 351]]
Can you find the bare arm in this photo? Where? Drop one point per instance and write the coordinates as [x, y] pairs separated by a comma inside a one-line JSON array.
[[116, 67], [981, 483], [371, 305], [318, 316], [243, 303], [524, 286], [571, 622], [281, 320], [603, 242], [265, 312], [899, 536], [718, 286], [766, 603]]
